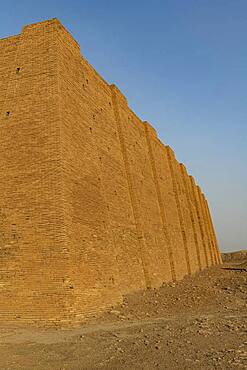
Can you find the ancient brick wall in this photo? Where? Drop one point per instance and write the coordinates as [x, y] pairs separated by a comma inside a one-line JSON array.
[[93, 206], [33, 253]]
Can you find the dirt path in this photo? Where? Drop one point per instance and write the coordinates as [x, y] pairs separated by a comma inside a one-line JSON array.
[[52, 336], [199, 323]]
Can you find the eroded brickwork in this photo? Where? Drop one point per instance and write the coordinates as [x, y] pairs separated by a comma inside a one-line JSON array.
[[93, 205]]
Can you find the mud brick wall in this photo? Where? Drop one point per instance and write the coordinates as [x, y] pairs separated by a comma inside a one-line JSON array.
[[93, 205], [33, 255]]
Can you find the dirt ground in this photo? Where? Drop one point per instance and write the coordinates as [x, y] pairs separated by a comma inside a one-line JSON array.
[[199, 323]]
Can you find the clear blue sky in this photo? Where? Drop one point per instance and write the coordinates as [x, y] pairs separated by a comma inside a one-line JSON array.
[[183, 66]]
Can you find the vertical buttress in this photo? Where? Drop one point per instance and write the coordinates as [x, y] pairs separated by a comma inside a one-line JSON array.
[[185, 180], [181, 222], [130, 186], [161, 206], [200, 219]]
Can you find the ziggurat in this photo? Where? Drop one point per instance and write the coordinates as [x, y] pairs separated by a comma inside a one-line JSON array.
[[93, 206]]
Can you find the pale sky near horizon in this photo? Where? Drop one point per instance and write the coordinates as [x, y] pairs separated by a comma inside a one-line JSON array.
[[183, 67]]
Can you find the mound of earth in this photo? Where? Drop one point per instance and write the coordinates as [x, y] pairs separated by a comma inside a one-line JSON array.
[[198, 323], [235, 256]]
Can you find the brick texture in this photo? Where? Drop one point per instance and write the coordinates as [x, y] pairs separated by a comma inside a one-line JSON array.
[[93, 205]]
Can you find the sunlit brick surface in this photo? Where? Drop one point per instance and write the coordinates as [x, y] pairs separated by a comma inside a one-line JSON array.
[[93, 205]]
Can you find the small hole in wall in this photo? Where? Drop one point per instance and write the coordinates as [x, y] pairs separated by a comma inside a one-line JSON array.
[[93, 116], [86, 80], [110, 103], [18, 70], [7, 113], [90, 128]]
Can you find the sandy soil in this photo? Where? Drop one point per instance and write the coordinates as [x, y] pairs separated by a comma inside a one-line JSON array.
[[199, 323]]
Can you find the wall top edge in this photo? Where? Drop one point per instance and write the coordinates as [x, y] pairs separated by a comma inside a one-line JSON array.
[[50, 22], [170, 150], [10, 38], [150, 128], [118, 92]]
